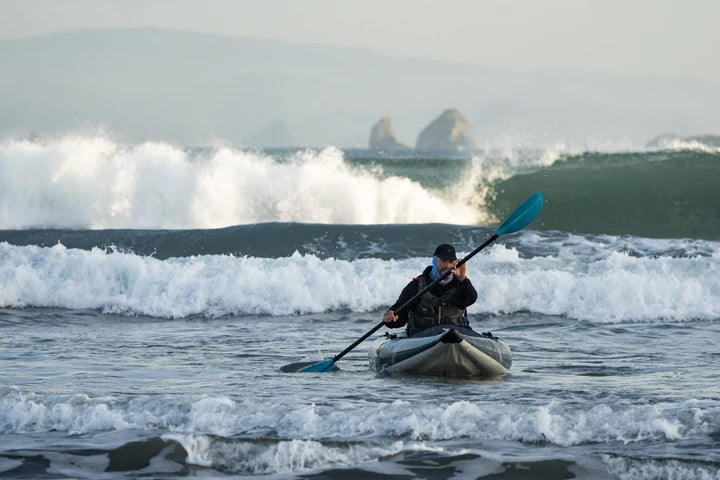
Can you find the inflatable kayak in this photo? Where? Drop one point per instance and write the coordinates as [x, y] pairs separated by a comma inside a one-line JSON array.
[[445, 350]]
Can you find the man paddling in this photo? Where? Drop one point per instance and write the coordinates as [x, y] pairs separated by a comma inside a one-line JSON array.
[[443, 304]]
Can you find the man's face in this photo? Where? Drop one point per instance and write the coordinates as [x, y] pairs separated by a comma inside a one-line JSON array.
[[444, 265]]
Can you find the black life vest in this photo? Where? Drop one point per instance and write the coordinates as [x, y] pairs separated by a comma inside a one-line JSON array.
[[432, 310]]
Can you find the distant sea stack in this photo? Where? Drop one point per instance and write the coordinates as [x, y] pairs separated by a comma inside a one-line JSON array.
[[382, 137], [450, 131]]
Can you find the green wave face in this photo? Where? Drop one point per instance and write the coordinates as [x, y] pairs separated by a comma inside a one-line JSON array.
[[662, 194]]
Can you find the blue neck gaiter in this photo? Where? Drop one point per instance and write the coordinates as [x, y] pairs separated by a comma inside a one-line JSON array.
[[434, 274]]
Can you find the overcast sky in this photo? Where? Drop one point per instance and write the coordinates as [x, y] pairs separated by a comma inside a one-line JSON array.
[[666, 37]]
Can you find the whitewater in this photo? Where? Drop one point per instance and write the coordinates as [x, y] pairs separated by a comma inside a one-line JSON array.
[[95, 183], [151, 293], [615, 288]]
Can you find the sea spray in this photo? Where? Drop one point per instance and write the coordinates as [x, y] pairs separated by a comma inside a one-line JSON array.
[[96, 183]]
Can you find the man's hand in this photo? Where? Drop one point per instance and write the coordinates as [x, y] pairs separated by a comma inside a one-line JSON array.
[[459, 272], [390, 317]]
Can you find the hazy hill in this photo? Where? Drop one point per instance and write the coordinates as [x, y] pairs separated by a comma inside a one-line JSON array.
[[193, 88]]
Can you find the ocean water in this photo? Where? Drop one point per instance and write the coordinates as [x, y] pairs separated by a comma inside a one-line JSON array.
[[150, 294]]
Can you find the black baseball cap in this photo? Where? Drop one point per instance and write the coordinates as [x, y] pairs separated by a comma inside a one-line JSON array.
[[445, 251]]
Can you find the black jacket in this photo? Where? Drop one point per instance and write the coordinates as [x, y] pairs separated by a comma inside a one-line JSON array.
[[466, 295]]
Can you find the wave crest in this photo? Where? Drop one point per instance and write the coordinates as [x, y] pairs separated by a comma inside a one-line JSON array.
[[95, 183], [614, 288], [558, 422]]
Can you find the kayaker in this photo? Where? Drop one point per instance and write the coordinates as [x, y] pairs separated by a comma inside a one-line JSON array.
[[445, 303]]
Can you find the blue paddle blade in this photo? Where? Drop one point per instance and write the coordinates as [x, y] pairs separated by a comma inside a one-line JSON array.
[[325, 366], [523, 215]]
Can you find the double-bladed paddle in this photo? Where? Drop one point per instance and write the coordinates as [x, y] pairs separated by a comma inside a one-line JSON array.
[[518, 220]]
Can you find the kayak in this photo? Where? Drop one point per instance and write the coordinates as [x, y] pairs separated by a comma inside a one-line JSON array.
[[445, 350]]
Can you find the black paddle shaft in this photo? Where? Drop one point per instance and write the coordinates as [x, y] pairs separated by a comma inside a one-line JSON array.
[[415, 298]]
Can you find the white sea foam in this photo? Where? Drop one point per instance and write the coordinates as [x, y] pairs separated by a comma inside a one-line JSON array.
[[558, 422], [206, 285], [615, 287], [92, 182], [611, 288], [636, 469], [281, 456]]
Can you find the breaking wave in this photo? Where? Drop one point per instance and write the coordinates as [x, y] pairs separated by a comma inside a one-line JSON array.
[[94, 183], [611, 287], [562, 423]]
